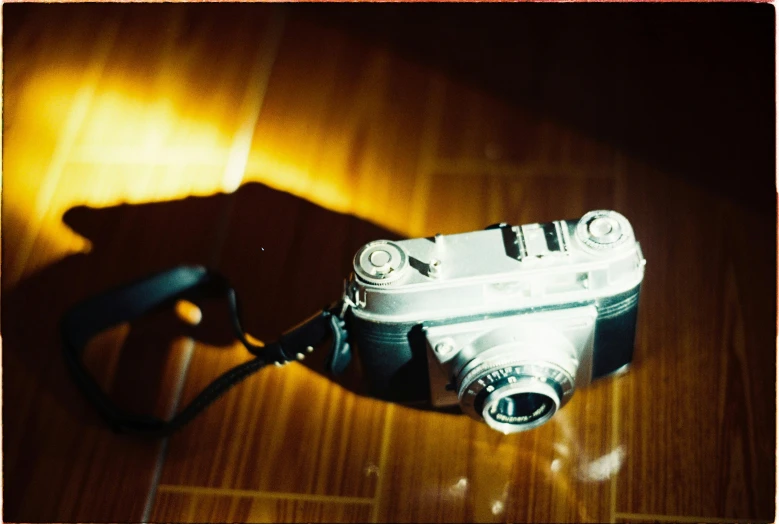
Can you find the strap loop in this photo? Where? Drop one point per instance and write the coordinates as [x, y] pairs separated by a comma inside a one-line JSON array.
[[134, 300]]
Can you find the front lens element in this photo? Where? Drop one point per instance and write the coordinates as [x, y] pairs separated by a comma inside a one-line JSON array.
[[521, 408]]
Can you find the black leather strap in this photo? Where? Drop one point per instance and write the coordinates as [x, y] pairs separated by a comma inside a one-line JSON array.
[[133, 300]]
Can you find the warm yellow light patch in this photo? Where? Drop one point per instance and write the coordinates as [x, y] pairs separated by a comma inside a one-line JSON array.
[[188, 312], [256, 341]]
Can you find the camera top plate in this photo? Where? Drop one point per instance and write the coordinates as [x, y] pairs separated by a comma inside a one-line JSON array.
[[507, 267]]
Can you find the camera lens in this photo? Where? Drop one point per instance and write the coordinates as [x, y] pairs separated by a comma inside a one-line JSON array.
[[515, 377], [522, 405]]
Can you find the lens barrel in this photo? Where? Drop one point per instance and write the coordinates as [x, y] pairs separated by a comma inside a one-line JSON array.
[[514, 396]]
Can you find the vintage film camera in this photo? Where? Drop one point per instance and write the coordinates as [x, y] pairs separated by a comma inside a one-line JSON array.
[[502, 324], [505, 322]]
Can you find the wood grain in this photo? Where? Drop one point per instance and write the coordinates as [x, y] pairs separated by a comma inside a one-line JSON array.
[[199, 506], [269, 435], [462, 471], [343, 124], [718, 432], [64, 105], [270, 143]]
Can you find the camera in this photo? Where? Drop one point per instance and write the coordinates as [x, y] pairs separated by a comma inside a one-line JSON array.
[[503, 323]]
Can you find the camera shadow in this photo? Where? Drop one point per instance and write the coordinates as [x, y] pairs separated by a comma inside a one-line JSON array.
[[285, 256]]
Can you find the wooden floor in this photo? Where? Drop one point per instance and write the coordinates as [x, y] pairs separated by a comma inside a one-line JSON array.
[[271, 145]]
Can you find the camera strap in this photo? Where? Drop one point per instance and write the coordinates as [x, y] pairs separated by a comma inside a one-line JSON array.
[[134, 300]]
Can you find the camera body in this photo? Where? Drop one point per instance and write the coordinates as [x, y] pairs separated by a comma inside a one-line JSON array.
[[506, 322]]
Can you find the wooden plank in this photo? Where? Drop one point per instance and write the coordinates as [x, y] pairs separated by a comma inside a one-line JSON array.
[[342, 125], [214, 507], [468, 203], [46, 95], [447, 468], [699, 403], [71, 95], [299, 432], [44, 467], [289, 257], [681, 519], [485, 132]]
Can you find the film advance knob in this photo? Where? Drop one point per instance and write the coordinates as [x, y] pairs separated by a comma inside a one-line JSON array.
[[603, 230], [380, 262]]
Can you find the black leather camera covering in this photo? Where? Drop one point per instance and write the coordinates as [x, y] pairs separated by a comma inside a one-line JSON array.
[[394, 355]]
